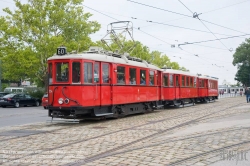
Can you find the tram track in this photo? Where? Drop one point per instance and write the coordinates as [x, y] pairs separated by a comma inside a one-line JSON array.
[[104, 154], [207, 153], [176, 140], [61, 129], [111, 152]]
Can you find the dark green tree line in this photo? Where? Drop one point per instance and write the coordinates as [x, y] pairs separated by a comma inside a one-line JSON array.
[[30, 34], [242, 61]]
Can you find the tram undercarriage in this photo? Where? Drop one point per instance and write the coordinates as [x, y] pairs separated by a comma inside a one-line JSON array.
[[114, 111]]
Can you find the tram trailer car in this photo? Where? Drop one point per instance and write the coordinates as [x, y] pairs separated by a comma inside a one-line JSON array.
[[97, 83]]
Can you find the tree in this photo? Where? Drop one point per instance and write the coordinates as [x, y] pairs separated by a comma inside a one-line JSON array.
[[140, 51], [242, 60], [31, 34]]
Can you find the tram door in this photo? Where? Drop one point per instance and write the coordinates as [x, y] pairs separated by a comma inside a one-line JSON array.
[[105, 87], [177, 86], [159, 77], [97, 83]]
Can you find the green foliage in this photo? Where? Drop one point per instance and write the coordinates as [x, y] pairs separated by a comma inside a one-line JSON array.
[[4, 85], [35, 92], [242, 60], [142, 52], [31, 34]]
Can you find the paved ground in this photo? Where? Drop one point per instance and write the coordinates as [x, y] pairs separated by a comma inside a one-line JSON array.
[[206, 134], [11, 116]]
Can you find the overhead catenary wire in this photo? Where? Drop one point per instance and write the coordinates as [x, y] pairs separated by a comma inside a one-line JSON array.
[[197, 16], [168, 25], [182, 15], [187, 53], [212, 40], [224, 7], [159, 23]]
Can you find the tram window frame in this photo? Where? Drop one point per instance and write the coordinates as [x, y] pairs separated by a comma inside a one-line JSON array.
[[143, 77], [105, 73], [76, 72], [96, 72], [151, 81], [187, 81], [165, 80], [88, 76], [177, 80], [182, 81], [132, 75], [50, 73], [195, 82], [202, 83], [62, 72], [171, 80], [121, 75], [191, 82]]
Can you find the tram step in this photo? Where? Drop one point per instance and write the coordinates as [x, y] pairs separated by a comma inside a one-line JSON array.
[[159, 106], [104, 114]]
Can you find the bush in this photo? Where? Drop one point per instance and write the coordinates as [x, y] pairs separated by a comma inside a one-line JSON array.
[[35, 92]]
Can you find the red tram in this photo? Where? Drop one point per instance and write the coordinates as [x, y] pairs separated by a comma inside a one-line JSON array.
[[97, 83]]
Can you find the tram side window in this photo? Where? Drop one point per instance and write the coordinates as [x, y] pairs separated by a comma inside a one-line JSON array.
[[191, 82], [143, 77], [171, 80], [88, 72], [202, 83], [105, 73], [76, 72], [187, 81], [50, 73], [177, 81], [165, 80], [183, 81], [120, 75], [62, 72], [96, 72], [132, 76], [195, 81], [151, 77]]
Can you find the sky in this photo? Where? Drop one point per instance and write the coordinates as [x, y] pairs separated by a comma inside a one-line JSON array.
[[159, 24]]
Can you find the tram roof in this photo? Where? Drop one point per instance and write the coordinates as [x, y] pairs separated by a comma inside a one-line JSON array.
[[187, 73], [208, 77], [172, 71], [101, 57]]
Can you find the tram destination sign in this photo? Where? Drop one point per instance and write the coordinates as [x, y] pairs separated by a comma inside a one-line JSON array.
[[61, 51]]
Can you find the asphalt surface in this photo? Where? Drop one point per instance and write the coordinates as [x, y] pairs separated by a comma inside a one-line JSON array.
[[23, 115]]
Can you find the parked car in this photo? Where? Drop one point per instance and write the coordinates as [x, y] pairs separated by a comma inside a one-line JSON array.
[[3, 94], [18, 100], [45, 101]]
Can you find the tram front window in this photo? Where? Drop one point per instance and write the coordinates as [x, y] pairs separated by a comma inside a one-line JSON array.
[[62, 72], [76, 72]]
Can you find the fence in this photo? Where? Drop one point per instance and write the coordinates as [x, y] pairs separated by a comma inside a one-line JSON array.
[[225, 95]]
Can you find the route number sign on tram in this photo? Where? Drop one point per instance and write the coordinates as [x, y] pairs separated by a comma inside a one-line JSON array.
[[61, 51]]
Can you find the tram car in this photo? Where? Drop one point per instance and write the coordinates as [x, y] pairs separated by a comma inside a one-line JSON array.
[[97, 83]]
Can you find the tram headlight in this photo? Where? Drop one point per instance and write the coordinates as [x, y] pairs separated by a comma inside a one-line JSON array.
[[60, 101], [66, 101]]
